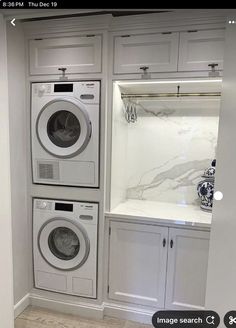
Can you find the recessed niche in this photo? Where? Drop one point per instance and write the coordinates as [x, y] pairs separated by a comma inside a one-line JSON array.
[[161, 155]]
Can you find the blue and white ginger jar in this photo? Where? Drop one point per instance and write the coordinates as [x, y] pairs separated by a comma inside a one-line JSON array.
[[205, 188]]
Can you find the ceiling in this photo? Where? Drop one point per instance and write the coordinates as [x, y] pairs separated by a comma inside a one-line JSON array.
[[43, 13], [38, 14]]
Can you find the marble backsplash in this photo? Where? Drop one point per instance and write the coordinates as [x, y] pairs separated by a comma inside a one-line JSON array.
[[169, 149]]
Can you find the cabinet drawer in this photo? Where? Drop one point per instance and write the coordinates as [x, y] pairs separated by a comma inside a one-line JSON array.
[[77, 54], [200, 48], [159, 52]]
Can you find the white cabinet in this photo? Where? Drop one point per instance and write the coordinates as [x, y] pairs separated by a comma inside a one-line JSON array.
[[198, 49], [137, 263], [78, 54], [158, 52], [169, 52], [187, 269], [158, 266]]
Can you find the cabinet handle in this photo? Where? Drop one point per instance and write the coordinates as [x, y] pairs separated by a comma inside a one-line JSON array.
[[213, 65], [63, 69], [171, 243], [213, 71], [164, 242], [144, 68]]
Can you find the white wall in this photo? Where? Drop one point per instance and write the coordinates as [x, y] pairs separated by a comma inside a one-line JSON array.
[[6, 275], [18, 146], [221, 282]]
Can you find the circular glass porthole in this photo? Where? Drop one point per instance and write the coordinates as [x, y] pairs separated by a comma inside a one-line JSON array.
[[64, 243], [63, 129]]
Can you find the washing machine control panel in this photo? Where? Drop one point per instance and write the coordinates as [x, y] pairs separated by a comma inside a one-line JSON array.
[[84, 212], [85, 91], [43, 205], [42, 89]]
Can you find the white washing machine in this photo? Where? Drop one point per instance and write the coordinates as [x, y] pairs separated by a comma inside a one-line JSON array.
[[65, 246], [65, 133]]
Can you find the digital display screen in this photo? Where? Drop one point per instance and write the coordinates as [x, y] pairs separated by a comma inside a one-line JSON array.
[[64, 207], [63, 87]]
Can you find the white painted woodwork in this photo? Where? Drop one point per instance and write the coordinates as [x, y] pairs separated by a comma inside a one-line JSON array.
[[187, 269], [142, 271], [19, 149], [118, 183], [159, 52], [6, 271], [137, 266], [49, 28], [198, 49], [221, 282], [78, 54]]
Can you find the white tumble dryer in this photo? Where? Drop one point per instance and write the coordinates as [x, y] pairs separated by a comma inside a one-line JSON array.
[[65, 246], [65, 133]]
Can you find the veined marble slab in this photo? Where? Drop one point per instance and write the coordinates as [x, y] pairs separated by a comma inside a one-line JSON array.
[[168, 149], [162, 212]]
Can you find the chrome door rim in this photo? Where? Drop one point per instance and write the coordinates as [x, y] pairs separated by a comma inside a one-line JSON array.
[[85, 238], [88, 128]]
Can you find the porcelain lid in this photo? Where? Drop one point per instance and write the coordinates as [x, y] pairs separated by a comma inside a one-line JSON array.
[[210, 171]]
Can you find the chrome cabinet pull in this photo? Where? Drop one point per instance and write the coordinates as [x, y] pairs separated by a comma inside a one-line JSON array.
[[213, 72], [213, 65], [144, 68]]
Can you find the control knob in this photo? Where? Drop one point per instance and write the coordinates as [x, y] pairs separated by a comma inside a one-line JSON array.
[[43, 205], [42, 88]]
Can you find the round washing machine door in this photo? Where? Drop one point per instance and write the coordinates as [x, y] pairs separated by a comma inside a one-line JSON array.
[[63, 243], [63, 127]]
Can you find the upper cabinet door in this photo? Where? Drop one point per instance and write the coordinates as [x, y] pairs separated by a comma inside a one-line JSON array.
[[159, 52], [76, 54], [137, 263], [187, 269], [198, 49]]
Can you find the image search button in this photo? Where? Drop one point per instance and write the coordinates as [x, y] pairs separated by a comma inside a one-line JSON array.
[[210, 320], [185, 319]]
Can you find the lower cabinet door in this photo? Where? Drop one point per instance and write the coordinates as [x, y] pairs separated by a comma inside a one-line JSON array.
[[137, 263], [187, 269]]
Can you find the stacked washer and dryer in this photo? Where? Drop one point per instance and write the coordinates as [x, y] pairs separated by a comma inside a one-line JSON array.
[[65, 151]]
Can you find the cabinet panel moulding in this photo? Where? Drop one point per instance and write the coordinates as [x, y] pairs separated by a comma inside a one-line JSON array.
[[162, 21], [211, 18], [63, 25], [163, 75], [110, 217], [72, 77]]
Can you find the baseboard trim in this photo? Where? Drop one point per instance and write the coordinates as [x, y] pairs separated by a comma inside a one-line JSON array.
[[85, 309], [128, 313], [21, 305]]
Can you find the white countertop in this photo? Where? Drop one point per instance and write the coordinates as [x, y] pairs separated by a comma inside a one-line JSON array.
[[165, 213]]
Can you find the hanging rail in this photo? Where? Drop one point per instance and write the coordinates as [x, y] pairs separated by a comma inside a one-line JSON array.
[[159, 95]]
